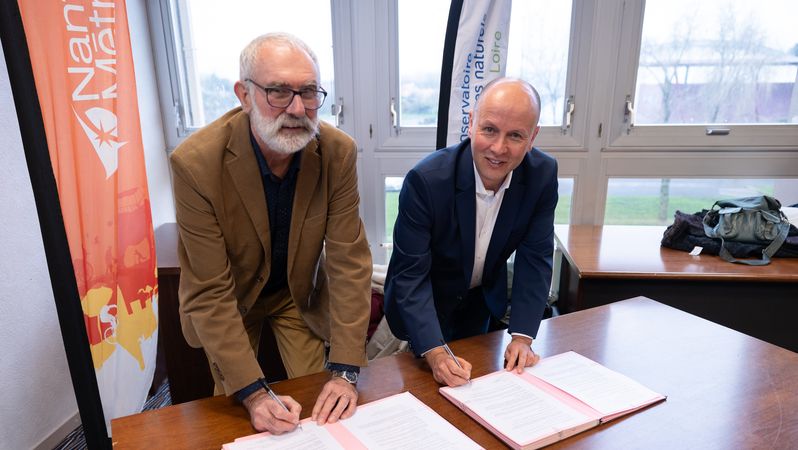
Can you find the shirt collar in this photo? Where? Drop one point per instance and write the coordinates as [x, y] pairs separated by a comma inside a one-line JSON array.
[[480, 187]]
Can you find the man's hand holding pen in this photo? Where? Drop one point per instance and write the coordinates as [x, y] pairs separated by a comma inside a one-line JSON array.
[[447, 368], [274, 414]]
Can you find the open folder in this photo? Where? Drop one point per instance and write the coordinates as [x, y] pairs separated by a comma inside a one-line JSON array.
[[557, 398], [395, 422]]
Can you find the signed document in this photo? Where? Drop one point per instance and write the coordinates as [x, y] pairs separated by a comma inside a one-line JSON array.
[[398, 421], [557, 398]]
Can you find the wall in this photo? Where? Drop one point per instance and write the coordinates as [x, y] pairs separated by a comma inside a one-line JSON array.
[[36, 395], [37, 402]]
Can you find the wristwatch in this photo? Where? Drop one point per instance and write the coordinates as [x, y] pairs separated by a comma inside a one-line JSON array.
[[348, 375]]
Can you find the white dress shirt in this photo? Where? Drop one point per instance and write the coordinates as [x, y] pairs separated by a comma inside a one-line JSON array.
[[488, 205]]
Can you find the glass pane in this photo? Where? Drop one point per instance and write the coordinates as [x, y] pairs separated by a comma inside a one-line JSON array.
[[538, 52], [654, 201], [394, 184], [565, 190], [392, 187], [718, 61], [217, 36], [422, 26]]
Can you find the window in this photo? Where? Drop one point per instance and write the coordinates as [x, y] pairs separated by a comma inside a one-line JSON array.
[[538, 52], [721, 61], [717, 74], [392, 187], [420, 56], [565, 191], [670, 97], [394, 184], [210, 39], [655, 201]]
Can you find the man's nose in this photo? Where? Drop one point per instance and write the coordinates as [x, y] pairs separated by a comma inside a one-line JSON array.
[[499, 145], [296, 107]]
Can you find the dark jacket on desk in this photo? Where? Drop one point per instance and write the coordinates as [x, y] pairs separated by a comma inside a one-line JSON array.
[[433, 254]]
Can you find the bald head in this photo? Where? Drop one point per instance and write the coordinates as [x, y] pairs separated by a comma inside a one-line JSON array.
[[511, 92], [502, 128]]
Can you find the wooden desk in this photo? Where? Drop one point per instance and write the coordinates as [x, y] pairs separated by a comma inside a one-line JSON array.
[[605, 264], [725, 389]]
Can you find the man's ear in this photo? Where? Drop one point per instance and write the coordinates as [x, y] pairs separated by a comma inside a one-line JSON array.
[[534, 135], [243, 96]]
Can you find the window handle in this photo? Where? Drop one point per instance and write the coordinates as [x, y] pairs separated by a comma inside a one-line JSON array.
[[629, 114], [337, 110], [718, 131], [394, 115], [569, 113]]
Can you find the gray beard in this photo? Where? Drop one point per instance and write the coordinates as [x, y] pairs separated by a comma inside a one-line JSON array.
[[268, 130]]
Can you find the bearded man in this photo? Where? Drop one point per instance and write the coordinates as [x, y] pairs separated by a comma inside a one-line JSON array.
[[259, 194]]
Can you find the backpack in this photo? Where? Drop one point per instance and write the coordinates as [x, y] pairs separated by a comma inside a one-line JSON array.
[[753, 220]]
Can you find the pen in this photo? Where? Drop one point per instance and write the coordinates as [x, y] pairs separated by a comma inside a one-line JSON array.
[[275, 397], [449, 351]]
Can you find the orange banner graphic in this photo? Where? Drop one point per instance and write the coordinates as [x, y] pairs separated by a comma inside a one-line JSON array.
[[83, 67]]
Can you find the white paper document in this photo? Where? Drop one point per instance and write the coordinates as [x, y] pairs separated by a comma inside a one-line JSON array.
[[602, 389], [531, 413], [397, 422], [310, 437], [404, 422], [559, 397]]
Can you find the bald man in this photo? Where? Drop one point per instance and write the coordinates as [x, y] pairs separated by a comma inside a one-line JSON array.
[[463, 211]]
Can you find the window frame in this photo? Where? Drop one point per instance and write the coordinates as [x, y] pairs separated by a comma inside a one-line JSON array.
[[741, 137], [415, 138], [602, 68]]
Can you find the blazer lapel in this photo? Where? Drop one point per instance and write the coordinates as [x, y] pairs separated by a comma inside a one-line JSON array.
[[243, 169], [306, 182], [465, 206]]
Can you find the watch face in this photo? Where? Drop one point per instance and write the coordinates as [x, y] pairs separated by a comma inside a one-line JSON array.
[[350, 377]]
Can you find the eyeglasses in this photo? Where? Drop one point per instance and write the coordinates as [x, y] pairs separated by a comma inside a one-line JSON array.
[[281, 97]]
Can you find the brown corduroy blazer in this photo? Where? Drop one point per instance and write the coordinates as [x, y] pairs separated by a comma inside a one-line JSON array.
[[225, 248]]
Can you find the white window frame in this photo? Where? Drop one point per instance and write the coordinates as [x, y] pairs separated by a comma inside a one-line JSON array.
[[169, 31], [603, 57], [665, 137]]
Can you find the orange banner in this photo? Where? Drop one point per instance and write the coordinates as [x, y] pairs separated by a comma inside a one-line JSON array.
[[83, 67]]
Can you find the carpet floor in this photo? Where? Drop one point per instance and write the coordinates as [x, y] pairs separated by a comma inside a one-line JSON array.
[[76, 441]]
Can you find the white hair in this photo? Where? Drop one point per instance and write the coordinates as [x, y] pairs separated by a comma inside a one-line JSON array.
[[250, 53]]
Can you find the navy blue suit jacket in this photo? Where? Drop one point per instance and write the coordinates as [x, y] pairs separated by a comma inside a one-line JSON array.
[[433, 245]]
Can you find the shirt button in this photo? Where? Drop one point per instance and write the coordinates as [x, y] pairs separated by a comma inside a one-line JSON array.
[[260, 278]]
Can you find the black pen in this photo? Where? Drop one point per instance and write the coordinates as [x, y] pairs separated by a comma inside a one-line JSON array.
[[275, 397], [449, 351]]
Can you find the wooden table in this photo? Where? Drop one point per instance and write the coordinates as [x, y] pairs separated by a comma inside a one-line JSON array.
[[605, 264], [725, 389]]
